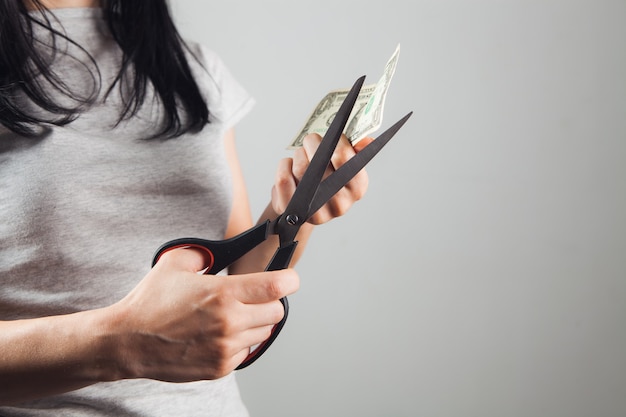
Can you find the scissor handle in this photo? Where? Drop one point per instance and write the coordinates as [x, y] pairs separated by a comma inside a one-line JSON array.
[[221, 253], [264, 345], [202, 245]]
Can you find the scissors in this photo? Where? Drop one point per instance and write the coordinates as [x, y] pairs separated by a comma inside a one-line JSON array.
[[310, 195]]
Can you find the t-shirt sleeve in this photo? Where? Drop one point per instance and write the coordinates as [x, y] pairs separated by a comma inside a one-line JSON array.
[[227, 100]]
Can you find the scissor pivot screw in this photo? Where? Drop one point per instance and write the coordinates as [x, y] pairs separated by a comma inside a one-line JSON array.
[[292, 219]]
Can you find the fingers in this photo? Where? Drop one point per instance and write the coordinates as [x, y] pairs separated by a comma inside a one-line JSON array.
[[344, 151], [175, 312], [301, 158], [251, 340], [358, 147], [284, 185], [262, 289], [252, 300], [311, 142], [291, 170], [353, 191], [265, 287], [251, 321]]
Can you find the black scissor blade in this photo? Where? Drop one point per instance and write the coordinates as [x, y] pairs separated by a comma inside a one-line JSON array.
[[300, 202], [332, 184]]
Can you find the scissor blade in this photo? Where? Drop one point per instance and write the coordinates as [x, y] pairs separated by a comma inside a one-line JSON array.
[[296, 212], [333, 183]]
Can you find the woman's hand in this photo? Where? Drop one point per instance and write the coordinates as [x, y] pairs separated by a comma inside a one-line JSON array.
[[177, 325], [291, 170]]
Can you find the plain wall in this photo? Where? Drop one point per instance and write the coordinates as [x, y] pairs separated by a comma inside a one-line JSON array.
[[484, 273]]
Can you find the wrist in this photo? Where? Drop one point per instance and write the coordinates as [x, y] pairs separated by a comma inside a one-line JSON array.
[[111, 361]]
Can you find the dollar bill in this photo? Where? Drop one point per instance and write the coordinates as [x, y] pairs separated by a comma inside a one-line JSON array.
[[366, 116]]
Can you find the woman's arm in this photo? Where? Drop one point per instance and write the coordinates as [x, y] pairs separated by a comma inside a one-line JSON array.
[[290, 171], [50, 355], [176, 326]]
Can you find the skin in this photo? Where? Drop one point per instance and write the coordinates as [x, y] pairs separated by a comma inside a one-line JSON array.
[[175, 325], [53, 4]]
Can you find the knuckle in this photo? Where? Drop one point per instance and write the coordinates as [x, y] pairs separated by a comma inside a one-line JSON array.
[[358, 193], [342, 154], [321, 217], [340, 205], [299, 167], [311, 140], [266, 332], [221, 298], [283, 178], [278, 312], [225, 326], [282, 283], [228, 350], [361, 184], [221, 312], [357, 187], [219, 328], [221, 358], [275, 288]]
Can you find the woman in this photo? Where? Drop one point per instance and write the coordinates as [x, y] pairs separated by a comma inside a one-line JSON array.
[[116, 137]]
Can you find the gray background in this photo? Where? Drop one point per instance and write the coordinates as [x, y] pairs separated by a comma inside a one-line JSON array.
[[484, 274]]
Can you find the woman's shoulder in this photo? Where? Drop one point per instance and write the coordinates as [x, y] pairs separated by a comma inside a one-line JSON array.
[[227, 98], [206, 57]]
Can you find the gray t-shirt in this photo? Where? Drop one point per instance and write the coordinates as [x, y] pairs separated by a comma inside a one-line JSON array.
[[83, 209]]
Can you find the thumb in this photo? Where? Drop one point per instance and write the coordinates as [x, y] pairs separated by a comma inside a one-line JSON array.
[[190, 259]]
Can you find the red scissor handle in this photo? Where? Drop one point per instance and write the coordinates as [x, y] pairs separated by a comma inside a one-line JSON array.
[[222, 253], [203, 248]]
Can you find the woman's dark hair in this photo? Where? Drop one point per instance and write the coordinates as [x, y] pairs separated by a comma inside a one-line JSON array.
[[153, 52]]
